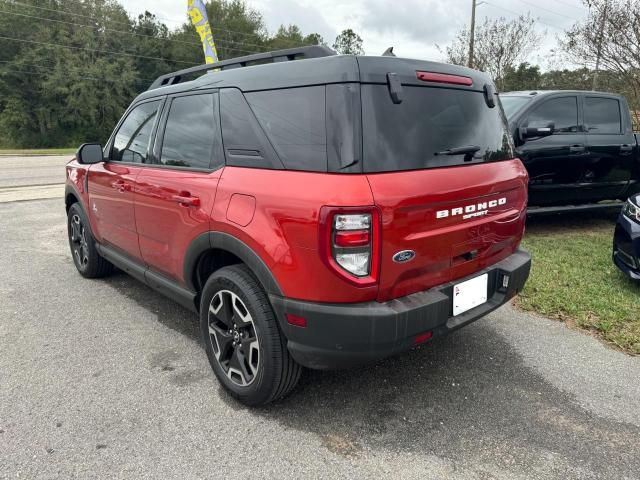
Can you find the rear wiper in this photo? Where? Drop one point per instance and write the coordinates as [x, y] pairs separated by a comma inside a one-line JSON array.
[[468, 150]]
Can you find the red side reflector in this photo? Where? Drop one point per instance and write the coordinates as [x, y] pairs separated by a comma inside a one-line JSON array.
[[423, 337], [296, 321], [352, 238], [444, 78]]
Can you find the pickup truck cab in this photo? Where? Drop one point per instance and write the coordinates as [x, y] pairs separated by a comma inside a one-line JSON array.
[[314, 209], [578, 147]]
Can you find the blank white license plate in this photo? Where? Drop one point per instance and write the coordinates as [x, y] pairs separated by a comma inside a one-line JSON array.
[[470, 294]]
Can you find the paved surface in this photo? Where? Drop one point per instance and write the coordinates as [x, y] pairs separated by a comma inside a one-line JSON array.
[[107, 379], [20, 171]]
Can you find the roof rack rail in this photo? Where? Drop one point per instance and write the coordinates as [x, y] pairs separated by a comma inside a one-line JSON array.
[[288, 54]]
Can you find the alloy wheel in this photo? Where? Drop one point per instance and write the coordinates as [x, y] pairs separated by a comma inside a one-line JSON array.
[[234, 338], [79, 241]]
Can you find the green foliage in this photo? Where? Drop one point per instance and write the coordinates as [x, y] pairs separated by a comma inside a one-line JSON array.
[[524, 77], [348, 43], [58, 96]]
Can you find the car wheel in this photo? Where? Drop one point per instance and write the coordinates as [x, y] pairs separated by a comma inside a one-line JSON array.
[[83, 246], [246, 349]]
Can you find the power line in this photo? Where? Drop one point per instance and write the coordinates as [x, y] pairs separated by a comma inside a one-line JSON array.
[[135, 33], [93, 19], [51, 66], [84, 77], [520, 13], [96, 27], [546, 9], [107, 52]]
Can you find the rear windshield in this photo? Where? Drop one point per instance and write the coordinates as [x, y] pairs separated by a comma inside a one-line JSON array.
[[416, 133], [512, 104]]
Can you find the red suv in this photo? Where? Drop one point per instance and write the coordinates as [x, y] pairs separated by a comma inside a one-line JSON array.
[[315, 209]]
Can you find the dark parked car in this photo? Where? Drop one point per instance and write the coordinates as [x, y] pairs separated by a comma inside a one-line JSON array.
[[626, 241], [578, 147]]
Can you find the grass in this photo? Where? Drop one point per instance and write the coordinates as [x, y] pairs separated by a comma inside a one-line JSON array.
[[38, 151], [574, 279]]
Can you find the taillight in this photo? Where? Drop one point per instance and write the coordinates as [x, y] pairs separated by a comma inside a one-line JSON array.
[[436, 77], [350, 243]]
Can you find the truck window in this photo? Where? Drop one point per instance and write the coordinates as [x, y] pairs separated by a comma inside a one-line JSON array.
[[602, 115], [513, 103], [191, 132], [293, 119], [562, 112], [414, 134], [131, 142]]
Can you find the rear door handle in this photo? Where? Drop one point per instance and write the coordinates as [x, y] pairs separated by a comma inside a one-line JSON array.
[[186, 200], [577, 149]]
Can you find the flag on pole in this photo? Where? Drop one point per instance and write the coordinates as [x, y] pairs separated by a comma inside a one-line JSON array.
[[198, 15]]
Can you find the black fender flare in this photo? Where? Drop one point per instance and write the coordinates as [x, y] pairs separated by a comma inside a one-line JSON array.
[[70, 190], [223, 241]]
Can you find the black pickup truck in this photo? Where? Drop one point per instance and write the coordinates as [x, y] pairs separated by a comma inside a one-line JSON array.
[[578, 147]]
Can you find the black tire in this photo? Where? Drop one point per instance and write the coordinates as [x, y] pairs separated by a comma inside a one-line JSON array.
[[83, 246], [253, 383]]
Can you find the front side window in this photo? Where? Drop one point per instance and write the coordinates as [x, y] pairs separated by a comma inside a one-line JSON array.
[[561, 112], [602, 115], [131, 142], [191, 132]]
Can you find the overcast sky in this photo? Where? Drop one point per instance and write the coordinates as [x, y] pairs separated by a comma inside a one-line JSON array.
[[413, 27]]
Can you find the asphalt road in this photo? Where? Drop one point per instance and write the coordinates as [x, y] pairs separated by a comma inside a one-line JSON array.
[[18, 171], [107, 379]]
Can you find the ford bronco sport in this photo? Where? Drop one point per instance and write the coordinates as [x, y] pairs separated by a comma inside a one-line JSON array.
[[316, 210]]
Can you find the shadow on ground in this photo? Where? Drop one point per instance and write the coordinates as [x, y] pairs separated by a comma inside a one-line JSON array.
[[467, 397]]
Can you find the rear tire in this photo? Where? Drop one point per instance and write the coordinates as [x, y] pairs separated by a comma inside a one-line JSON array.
[[88, 261], [245, 347]]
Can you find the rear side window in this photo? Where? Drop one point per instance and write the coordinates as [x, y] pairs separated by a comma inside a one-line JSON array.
[[562, 112], [602, 115], [294, 121], [190, 133], [415, 133], [245, 144], [131, 142]]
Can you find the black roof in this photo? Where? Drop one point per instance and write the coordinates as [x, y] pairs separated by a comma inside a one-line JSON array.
[[536, 93], [323, 67]]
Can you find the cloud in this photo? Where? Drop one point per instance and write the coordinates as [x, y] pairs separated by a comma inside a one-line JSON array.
[[426, 22]]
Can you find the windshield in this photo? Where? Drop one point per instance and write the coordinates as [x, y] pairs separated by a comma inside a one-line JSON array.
[[432, 127], [512, 104]]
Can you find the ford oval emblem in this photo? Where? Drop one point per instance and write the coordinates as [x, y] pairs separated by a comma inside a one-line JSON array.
[[404, 256]]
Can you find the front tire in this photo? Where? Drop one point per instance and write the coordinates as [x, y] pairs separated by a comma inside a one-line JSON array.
[[88, 261], [245, 347]]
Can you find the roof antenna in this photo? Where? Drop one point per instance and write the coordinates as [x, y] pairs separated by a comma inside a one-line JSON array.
[[389, 52]]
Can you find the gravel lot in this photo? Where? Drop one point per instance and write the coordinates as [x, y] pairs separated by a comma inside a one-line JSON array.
[[107, 379]]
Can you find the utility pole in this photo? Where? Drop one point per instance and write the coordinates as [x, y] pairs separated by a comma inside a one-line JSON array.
[[599, 51], [472, 32]]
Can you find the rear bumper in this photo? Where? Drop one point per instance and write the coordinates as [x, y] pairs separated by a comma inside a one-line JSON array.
[[626, 247], [344, 335]]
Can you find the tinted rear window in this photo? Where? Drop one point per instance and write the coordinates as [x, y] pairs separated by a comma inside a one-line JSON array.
[[408, 136], [602, 115]]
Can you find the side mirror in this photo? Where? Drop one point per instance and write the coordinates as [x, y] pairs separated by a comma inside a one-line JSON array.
[[89, 153], [525, 133]]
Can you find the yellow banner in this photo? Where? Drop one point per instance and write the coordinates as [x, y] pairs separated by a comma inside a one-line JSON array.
[[198, 15]]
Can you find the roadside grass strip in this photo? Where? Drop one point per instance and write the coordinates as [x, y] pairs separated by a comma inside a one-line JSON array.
[[574, 279]]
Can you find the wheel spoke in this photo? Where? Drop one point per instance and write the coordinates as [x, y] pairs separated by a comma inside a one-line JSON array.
[[223, 342]]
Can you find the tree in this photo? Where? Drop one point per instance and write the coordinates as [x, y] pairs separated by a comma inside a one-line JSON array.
[[610, 38], [500, 44], [525, 77], [91, 59], [348, 43]]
